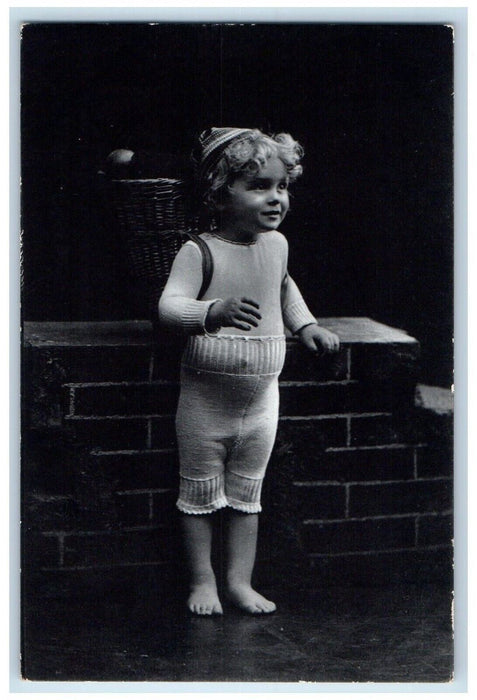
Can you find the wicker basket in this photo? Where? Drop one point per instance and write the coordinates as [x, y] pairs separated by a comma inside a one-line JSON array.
[[153, 220]]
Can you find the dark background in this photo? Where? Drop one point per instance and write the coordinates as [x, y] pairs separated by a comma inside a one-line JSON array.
[[370, 228]]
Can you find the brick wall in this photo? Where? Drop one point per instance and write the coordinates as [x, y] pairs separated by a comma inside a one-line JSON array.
[[359, 486]]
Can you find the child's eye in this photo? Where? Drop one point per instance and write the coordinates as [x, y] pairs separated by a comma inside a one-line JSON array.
[[283, 186]]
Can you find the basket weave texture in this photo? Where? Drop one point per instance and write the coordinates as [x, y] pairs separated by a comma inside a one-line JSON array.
[[153, 222]]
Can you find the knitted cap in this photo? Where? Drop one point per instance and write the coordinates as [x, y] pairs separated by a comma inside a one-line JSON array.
[[211, 147]]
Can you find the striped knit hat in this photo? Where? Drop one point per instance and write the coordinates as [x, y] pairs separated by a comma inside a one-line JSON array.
[[211, 147]]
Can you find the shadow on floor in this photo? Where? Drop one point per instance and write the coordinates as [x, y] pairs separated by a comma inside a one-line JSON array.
[[392, 634]]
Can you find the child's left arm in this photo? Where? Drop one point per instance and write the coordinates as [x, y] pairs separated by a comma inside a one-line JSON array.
[[299, 319]]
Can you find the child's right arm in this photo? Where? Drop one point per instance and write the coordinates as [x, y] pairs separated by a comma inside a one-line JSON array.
[[179, 307]]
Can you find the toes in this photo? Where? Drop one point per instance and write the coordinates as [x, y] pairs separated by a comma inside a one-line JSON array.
[[205, 609], [265, 607]]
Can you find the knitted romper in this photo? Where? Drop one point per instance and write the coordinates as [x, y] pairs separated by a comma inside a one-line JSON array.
[[228, 407]]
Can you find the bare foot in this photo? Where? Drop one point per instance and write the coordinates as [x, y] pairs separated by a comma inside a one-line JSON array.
[[204, 600], [249, 600]]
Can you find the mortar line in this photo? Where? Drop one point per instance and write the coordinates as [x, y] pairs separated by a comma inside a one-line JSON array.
[[365, 518], [149, 434], [347, 494], [61, 548], [151, 367], [371, 482], [151, 506], [377, 552], [72, 400]]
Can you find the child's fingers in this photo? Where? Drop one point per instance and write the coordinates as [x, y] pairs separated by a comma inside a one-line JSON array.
[[334, 343], [245, 300], [330, 343], [250, 310], [246, 317]]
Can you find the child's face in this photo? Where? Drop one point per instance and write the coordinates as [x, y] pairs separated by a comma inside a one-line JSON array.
[[259, 202]]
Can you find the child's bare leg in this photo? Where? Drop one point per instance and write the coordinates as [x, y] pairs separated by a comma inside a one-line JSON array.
[[203, 598], [241, 550]]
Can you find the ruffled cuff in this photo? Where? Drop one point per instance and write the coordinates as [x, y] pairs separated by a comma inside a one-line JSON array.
[[297, 315]]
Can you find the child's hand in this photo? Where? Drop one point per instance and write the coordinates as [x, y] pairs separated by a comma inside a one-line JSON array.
[[316, 338], [238, 313]]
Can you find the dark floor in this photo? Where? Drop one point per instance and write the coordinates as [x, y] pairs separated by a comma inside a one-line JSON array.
[[394, 634]]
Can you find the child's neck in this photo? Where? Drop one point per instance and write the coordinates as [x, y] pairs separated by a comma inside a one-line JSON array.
[[237, 236]]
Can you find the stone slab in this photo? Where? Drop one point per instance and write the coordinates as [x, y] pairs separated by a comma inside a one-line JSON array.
[[351, 330]]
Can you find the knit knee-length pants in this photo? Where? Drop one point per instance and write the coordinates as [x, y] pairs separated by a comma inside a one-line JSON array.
[[226, 421]]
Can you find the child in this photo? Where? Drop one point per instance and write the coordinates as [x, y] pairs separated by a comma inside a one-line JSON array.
[[228, 407]]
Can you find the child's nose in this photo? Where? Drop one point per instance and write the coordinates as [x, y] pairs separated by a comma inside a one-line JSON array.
[[274, 195]]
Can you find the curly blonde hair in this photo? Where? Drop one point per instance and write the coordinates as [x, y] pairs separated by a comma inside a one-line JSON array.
[[246, 156]]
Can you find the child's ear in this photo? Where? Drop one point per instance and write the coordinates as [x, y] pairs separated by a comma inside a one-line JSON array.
[[210, 201], [218, 202]]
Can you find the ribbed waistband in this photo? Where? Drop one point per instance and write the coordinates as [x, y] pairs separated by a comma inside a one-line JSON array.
[[235, 354]]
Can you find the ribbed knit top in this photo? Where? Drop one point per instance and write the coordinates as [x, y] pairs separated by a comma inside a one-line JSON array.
[[255, 270]]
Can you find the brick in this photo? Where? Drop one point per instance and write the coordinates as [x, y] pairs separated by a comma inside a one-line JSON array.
[[105, 364], [39, 550], [434, 460], [126, 399], [356, 535], [320, 500], [374, 430], [112, 548], [47, 512], [419, 496], [313, 398], [305, 436], [166, 360], [92, 507], [89, 364], [132, 509], [300, 364], [164, 507], [117, 433], [434, 529], [365, 463], [389, 362], [111, 364], [131, 469], [50, 461], [163, 433], [41, 396]]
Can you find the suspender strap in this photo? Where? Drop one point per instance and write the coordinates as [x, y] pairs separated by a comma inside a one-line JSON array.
[[207, 263]]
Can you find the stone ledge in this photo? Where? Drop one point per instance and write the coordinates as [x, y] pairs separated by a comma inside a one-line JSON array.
[[139, 333]]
